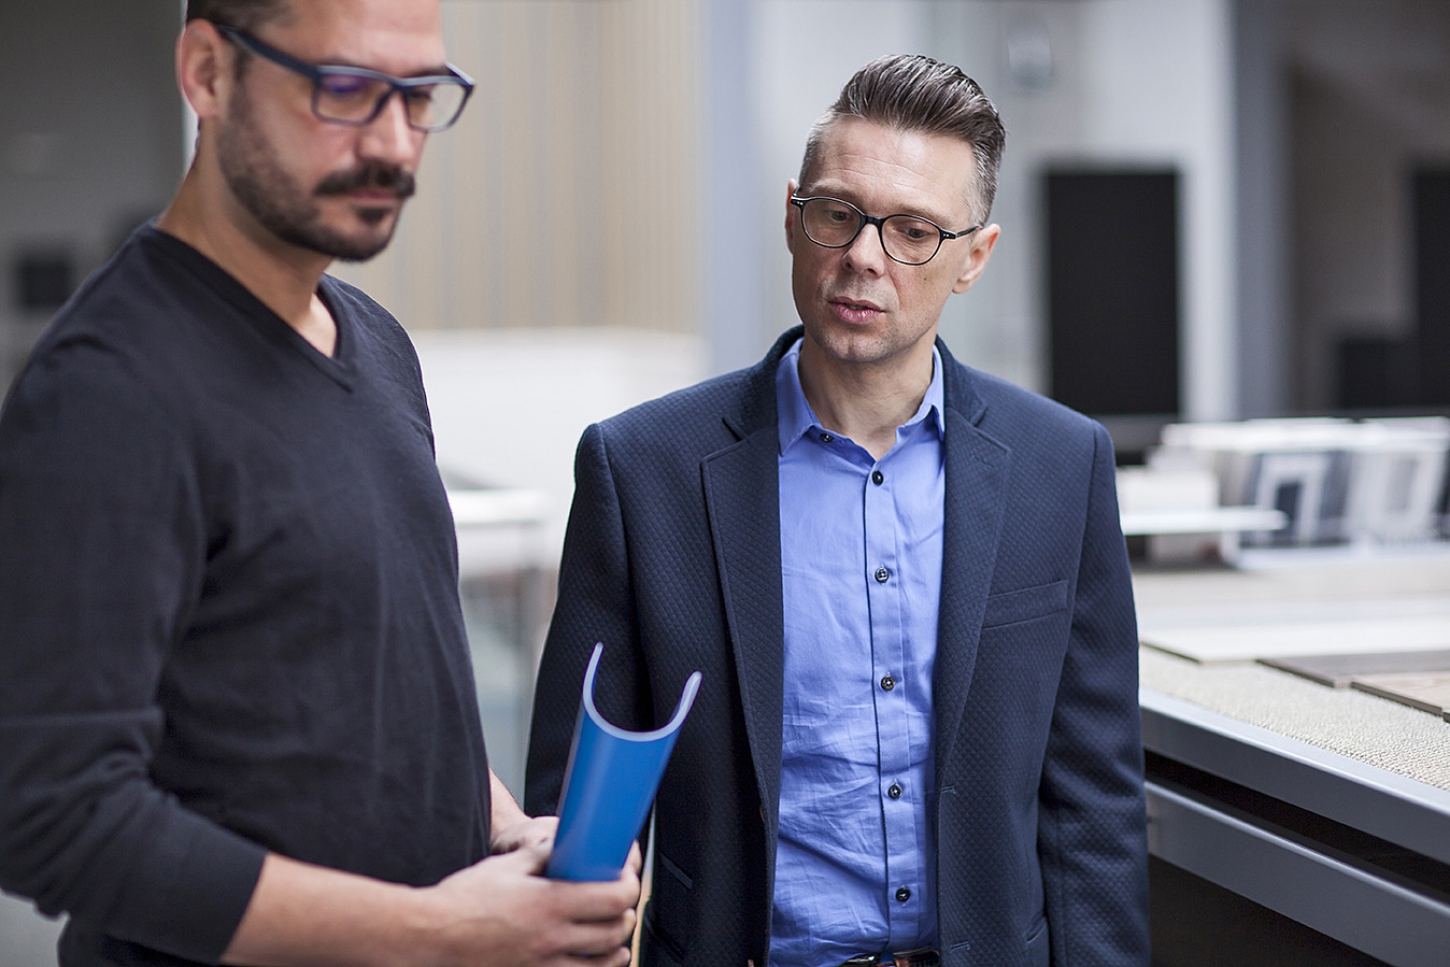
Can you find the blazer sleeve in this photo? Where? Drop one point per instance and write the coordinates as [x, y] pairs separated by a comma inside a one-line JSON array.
[[1092, 835], [594, 605]]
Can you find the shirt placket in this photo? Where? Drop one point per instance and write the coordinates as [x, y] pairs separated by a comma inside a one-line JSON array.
[[904, 874]]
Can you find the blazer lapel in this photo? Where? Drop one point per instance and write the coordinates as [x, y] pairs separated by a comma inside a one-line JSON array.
[[977, 468], [741, 496], [742, 502]]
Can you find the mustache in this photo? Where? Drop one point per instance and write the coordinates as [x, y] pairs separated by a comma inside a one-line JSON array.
[[386, 177]]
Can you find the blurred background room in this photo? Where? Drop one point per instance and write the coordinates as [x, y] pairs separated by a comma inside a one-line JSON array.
[[1213, 211]]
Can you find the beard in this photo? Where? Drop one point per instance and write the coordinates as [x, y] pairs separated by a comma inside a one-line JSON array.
[[291, 212]]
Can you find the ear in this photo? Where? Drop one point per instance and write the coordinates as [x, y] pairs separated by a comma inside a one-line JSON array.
[[204, 70], [791, 214], [983, 241]]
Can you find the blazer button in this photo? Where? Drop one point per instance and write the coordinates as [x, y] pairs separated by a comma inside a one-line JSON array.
[[903, 894], [882, 575]]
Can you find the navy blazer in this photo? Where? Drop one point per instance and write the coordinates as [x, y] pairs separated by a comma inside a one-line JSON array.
[[672, 559]]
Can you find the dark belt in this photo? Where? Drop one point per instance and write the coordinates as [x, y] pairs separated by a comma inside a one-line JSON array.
[[920, 957]]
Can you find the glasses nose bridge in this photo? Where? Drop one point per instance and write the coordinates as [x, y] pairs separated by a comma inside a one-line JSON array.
[[388, 131], [863, 220], [381, 104]]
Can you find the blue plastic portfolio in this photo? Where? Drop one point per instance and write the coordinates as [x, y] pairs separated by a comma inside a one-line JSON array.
[[609, 784]]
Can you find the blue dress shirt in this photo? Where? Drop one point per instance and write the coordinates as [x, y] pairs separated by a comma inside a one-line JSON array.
[[861, 555]]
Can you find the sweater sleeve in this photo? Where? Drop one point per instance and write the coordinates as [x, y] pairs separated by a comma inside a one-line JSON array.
[[103, 546]]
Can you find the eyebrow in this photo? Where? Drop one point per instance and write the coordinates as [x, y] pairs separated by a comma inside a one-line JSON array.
[[844, 193], [439, 71]]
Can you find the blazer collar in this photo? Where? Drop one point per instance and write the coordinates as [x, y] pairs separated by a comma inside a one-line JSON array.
[[756, 405], [961, 395]]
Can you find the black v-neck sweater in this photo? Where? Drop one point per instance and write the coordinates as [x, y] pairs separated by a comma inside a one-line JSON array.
[[229, 619]]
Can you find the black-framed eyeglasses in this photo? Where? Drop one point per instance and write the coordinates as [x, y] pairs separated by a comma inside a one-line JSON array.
[[908, 239], [356, 95]]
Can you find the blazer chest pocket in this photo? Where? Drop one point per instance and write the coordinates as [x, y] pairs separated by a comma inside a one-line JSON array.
[[1012, 607]]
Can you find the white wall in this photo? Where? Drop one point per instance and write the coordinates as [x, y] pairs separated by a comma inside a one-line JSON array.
[[509, 405]]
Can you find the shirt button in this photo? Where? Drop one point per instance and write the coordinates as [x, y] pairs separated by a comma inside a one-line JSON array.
[[895, 791], [903, 894], [826, 438], [877, 477], [882, 575], [888, 683]]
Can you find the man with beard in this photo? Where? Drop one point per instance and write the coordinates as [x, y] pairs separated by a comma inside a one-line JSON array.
[[237, 717]]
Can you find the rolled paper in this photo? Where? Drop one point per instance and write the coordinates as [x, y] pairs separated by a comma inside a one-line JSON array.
[[609, 784]]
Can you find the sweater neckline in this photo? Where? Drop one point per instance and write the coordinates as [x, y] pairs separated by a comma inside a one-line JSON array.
[[337, 367]]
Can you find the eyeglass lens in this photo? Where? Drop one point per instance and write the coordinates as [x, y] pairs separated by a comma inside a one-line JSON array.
[[835, 224], [356, 98]]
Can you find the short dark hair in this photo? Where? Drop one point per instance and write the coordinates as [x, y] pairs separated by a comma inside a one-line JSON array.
[[912, 92], [245, 15]]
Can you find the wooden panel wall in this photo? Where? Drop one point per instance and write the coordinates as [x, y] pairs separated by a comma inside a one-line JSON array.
[[567, 194]]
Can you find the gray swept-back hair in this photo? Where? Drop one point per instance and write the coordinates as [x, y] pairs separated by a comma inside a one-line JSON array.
[[912, 92]]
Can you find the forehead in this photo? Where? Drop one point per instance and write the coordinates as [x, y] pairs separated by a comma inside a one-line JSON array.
[[397, 36], [885, 169]]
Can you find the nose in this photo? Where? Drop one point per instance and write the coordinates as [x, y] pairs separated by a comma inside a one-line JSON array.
[[866, 252], [388, 137]]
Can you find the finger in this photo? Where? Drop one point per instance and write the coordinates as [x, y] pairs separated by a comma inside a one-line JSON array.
[[532, 857], [596, 939], [631, 883], [616, 958], [597, 902], [620, 958], [636, 860], [543, 830]]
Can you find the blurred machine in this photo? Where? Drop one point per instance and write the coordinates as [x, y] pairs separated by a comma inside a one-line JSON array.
[[1289, 483]]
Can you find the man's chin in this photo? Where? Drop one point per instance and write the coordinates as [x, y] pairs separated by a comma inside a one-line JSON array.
[[358, 245], [361, 252], [848, 344], [862, 346], [351, 233]]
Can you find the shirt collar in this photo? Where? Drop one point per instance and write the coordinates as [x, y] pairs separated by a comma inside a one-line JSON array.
[[796, 417]]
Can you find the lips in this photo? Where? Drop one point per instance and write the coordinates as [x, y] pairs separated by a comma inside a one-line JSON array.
[[854, 310]]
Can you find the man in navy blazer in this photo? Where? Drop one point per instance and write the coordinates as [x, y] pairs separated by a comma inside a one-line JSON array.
[[904, 580]]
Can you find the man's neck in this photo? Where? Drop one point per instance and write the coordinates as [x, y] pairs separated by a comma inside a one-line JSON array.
[[866, 402], [283, 277]]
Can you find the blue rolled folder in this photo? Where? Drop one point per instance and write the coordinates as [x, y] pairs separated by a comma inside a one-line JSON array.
[[609, 784]]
